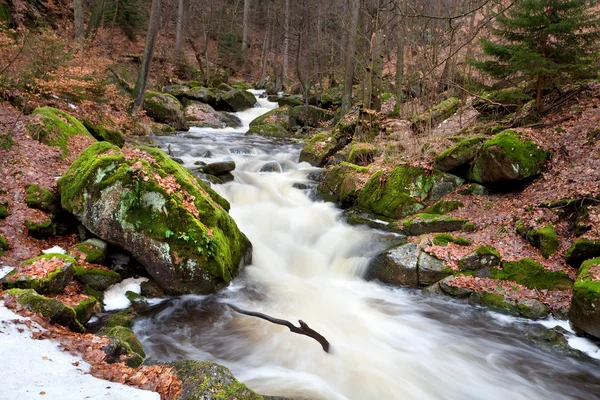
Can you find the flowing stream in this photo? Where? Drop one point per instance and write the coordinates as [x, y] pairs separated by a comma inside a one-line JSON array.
[[387, 343]]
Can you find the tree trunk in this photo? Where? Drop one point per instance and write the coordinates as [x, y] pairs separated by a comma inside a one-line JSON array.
[[245, 43], [78, 14], [376, 70], [539, 100], [95, 18], [401, 38], [265, 56], [350, 50], [183, 7], [142, 79], [286, 41]]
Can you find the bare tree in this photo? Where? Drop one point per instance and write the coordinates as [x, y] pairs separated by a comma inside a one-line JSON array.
[[183, 7], [349, 56], [78, 16], [245, 42]]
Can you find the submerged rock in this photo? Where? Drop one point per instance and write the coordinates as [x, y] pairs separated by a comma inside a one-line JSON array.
[[170, 221], [308, 116]]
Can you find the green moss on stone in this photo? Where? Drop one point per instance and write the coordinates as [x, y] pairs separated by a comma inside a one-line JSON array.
[[436, 114], [442, 239], [544, 238], [532, 274], [444, 206], [423, 223], [278, 116], [3, 210], [3, 245], [56, 127], [582, 249], [96, 278], [362, 153], [127, 336], [460, 154], [100, 133], [268, 130], [586, 286], [487, 250], [340, 184], [53, 309], [40, 198], [123, 318]]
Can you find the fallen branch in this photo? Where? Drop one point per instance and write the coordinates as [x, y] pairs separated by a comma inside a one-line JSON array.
[[302, 330]]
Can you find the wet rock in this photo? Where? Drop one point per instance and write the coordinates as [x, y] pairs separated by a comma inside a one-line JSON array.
[[455, 291], [53, 282], [275, 123], [271, 166], [188, 243], [219, 168], [483, 257], [431, 269], [202, 95], [582, 249], [421, 224], [230, 120], [528, 308], [238, 100], [123, 342], [151, 289], [167, 109], [397, 266]]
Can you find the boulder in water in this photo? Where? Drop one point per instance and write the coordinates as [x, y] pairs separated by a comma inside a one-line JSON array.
[[238, 100], [219, 168], [271, 166], [341, 183], [163, 107], [431, 269], [397, 266], [170, 221], [202, 95], [584, 313], [274, 123]]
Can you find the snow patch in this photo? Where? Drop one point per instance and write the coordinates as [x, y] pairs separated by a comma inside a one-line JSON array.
[[5, 270], [55, 250], [114, 296]]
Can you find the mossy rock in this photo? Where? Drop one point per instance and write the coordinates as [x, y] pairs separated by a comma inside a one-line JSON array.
[[528, 308], [341, 184], [507, 159], [176, 226], [532, 274], [164, 108], [291, 101], [582, 249], [91, 251], [237, 100], [421, 224], [435, 115], [584, 313], [459, 155], [431, 269], [100, 133], [501, 102], [123, 318], [53, 283], [177, 90], [475, 189], [54, 310], [202, 95], [482, 257], [363, 153], [309, 116], [396, 266], [544, 238], [40, 198], [3, 210], [319, 148], [123, 344], [151, 289], [86, 308], [42, 229], [268, 130], [443, 207], [206, 380], [55, 127], [3, 245], [401, 192], [278, 116], [443, 239], [96, 278]]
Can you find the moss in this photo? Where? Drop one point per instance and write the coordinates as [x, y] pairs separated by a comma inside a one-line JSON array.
[[100, 133], [423, 223], [581, 250], [41, 229], [436, 114], [460, 154], [319, 147], [442, 239], [362, 153], [40, 198], [123, 318], [54, 282], [533, 275], [341, 184], [586, 286], [92, 253], [544, 238], [85, 309], [444, 206], [505, 157], [487, 250], [96, 278], [496, 302], [127, 336], [268, 130], [3, 245], [53, 309], [56, 128], [278, 116], [3, 210]]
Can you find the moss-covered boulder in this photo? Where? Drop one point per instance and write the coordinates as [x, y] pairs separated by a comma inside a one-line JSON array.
[[544, 238], [459, 155], [40, 198], [363, 153], [91, 251], [584, 313], [3, 245], [275, 123], [533, 275], [341, 184], [396, 266], [169, 220], [124, 346], [435, 115], [203, 115], [237, 100], [200, 94], [96, 277], [101, 133], [319, 148], [421, 224], [507, 159], [443, 207], [444, 239], [43, 228], [47, 274], [582, 249], [482, 257], [308, 116], [54, 310], [401, 192], [3, 209], [289, 100], [207, 380], [56, 128], [163, 107]]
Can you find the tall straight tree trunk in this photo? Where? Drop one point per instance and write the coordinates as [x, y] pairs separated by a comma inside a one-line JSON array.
[[350, 50], [286, 40], [265, 55], [401, 39], [376, 69], [95, 18], [142, 79], [78, 16], [245, 43], [183, 7]]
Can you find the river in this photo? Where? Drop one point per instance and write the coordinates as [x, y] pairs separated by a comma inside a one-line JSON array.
[[387, 343]]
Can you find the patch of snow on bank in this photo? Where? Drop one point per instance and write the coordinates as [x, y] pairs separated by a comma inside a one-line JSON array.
[[38, 369], [114, 296], [5, 270], [55, 250]]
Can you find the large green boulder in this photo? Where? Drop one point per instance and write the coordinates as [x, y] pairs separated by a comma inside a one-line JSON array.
[[47, 274], [582, 249], [275, 123], [584, 313], [56, 128], [238, 100], [544, 238], [401, 192], [169, 220], [507, 159], [164, 108], [207, 380], [459, 155], [309, 116], [341, 184], [202, 95]]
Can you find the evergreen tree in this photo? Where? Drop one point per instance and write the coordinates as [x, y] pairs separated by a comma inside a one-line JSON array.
[[543, 41]]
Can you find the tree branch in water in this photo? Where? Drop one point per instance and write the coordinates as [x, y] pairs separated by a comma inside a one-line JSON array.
[[304, 329]]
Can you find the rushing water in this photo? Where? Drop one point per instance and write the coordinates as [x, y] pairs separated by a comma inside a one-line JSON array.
[[387, 343]]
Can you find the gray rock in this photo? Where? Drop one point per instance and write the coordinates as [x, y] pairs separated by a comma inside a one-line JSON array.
[[430, 269], [446, 286], [163, 107], [238, 100], [484, 257], [271, 166], [397, 266], [219, 168], [201, 94]]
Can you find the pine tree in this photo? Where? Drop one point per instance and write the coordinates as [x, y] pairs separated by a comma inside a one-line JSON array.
[[544, 42]]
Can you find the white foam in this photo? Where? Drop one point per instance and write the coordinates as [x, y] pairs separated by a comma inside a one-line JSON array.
[[114, 296]]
